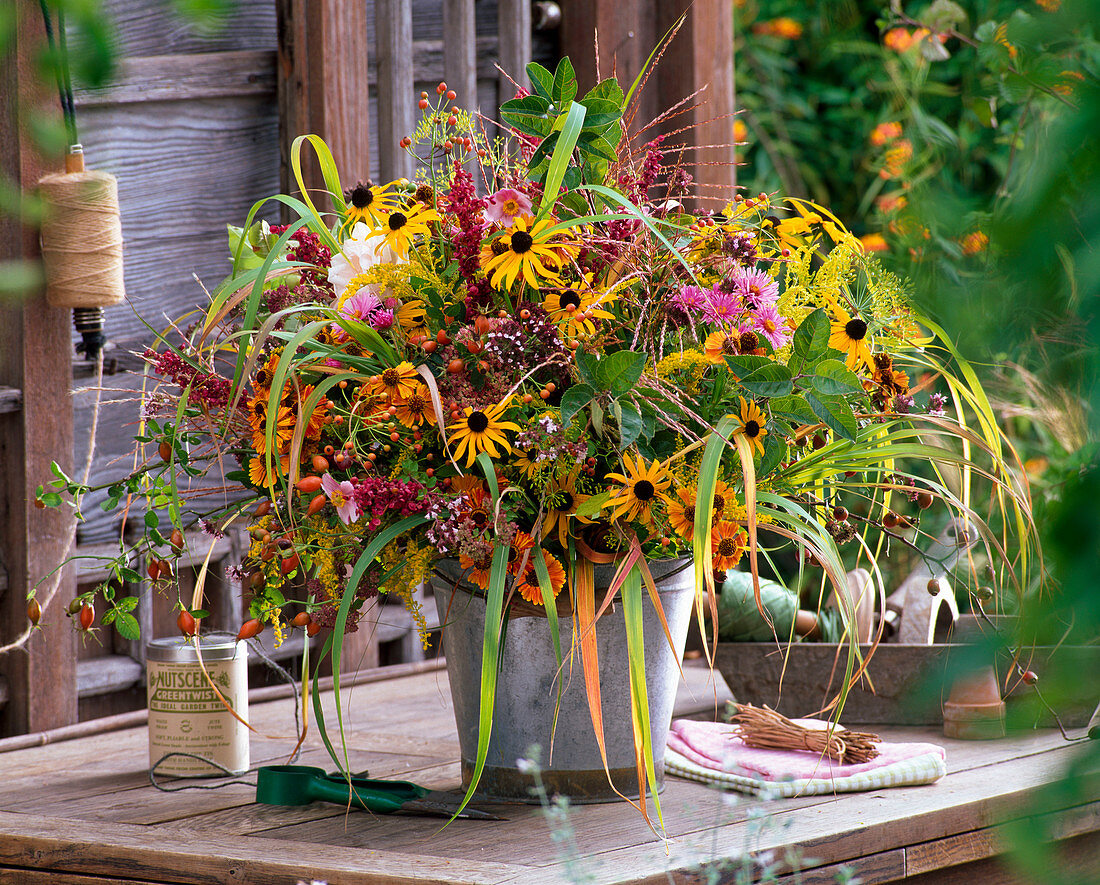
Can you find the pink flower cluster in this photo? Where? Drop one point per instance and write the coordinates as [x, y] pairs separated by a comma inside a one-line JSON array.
[[365, 307], [746, 300], [208, 388]]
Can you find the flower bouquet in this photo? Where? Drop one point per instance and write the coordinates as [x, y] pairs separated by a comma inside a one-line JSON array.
[[534, 356]]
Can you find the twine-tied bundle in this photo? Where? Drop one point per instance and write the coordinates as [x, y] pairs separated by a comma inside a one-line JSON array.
[[82, 239], [764, 729]]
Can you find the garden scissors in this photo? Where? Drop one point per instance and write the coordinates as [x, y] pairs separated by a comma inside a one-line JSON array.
[[302, 784]]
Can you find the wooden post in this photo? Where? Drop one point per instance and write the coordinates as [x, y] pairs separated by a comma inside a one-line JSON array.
[[394, 48], [322, 86], [700, 60], [514, 42], [701, 55], [460, 51], [626, 33], [35, 357]]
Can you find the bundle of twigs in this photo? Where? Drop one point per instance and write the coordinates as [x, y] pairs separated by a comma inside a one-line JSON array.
[[763, 728]]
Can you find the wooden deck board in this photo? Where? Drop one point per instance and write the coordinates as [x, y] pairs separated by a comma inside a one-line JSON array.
[[83, 812]]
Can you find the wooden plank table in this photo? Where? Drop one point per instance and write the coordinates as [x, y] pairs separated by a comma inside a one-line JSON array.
[[83, 811]]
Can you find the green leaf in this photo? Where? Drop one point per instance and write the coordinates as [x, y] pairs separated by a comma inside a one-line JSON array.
[[833, 377], [588, 365], [596, 147], [593, 505], [619, 372], [811, 340], [773, 379], [607, 89], [127, 603], [127, 626], [1015, 88], [544, 150], [151, 519], [835, 413], [601, 112], [541, 80], [985, 110], [50, 499], [792, 408], [564, 89], [573, 400], [528, 115], [129, 575], [745, 364], [944, 15], [630, 423], [775, 450]]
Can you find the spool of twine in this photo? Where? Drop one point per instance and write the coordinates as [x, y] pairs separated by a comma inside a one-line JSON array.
[[82, 239]]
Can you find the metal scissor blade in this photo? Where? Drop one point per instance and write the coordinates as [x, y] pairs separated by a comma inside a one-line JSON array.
[[440, 804]]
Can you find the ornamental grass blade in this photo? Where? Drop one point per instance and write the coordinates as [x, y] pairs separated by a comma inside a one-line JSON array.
[[639, 694], [377, 544], [563, 153], [330, 175], [748, 469], [551, 606], [702, 550], [590, 654], [490, 667], [491, 644]]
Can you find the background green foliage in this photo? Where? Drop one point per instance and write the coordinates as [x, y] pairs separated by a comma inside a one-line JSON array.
[[1002, 118]]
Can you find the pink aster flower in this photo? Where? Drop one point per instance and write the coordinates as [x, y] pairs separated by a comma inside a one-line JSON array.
[[722, 307], [755, 287], [365, 307], [341, 494], [506, 205], [692, 299], [767, 320]]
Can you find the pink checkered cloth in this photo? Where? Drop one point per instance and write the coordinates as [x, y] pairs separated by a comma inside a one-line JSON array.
[[711, 752]]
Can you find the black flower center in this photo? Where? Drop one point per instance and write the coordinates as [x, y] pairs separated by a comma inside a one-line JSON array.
[[719, 503], [856, 329], [521, 242], [689, 513], [362, 196], [749, 342], [644, 490], [727, 547], [570, 298], [565, 501], [752, 429], [477, 422], [391, 377], [479, 518], [398, 220]]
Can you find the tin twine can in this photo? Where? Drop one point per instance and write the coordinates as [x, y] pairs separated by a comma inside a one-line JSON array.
[[186, 716]]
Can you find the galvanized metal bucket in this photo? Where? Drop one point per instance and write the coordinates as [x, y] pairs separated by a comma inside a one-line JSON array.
[[527, 688]]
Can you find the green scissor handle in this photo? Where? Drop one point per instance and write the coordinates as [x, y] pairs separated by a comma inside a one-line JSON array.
[[375, 795], [302, 784]]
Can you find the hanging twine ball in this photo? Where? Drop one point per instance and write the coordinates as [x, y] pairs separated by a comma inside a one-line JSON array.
[[81, 237]]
